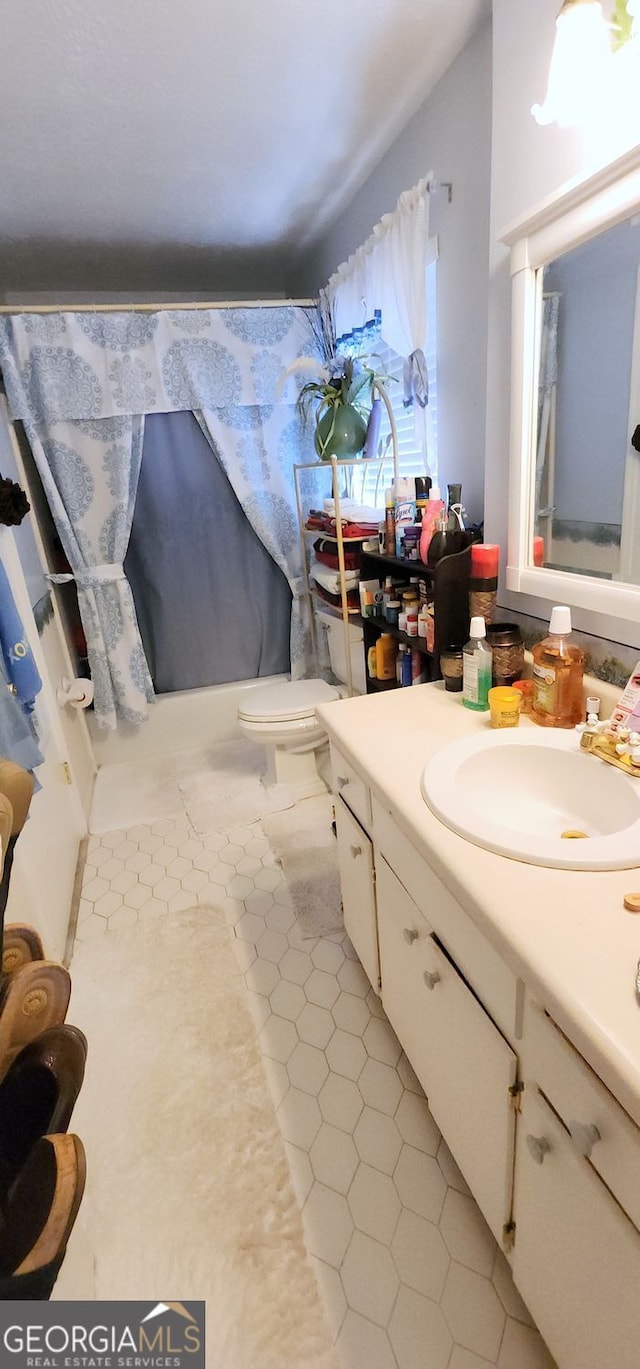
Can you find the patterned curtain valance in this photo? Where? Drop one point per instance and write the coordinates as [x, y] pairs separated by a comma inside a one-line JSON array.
[[86, 366]]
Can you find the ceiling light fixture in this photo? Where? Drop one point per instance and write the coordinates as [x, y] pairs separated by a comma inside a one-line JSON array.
[[580, 64]]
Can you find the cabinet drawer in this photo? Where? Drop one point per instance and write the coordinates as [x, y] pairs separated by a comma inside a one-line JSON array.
[[493, 981], [348, 784], [576, 1257], [463, 1063], [355, 858], [583, 1102]]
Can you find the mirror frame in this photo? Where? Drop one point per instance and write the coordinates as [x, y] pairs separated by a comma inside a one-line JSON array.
[[575, 214]]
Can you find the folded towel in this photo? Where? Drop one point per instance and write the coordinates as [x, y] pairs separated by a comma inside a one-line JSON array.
[[354, 512], [327, 554], [330, 581]]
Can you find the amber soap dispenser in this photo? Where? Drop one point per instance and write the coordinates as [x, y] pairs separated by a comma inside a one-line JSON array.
[[558, 667]]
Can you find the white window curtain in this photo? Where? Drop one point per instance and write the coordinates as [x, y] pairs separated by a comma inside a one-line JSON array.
[[394, 272], [391, 273]]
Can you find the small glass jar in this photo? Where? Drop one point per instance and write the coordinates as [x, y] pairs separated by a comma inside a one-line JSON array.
[[451, 667], [410, 600], [505, 640]]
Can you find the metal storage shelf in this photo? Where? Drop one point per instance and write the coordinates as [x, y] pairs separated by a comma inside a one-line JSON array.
[[448, 581], [347, 615]]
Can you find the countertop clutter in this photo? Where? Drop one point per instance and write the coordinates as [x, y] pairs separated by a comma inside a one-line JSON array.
[[565, 933]]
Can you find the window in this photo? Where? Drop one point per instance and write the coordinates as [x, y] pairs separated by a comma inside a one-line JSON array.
[[370, 481]]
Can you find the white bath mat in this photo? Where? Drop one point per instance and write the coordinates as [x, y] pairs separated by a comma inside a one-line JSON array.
[[302, 838], [188, 1188], [229, 792], [126, 793]]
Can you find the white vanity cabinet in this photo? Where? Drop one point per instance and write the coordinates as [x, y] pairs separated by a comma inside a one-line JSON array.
[[576, 1254], [450, 999], [464, 1064], [355, 860], [550, 1154]]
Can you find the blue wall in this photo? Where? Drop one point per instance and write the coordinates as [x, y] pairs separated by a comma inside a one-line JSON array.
[[451, 136]]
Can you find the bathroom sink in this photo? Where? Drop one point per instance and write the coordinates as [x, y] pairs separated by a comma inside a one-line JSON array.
[[534, 796]]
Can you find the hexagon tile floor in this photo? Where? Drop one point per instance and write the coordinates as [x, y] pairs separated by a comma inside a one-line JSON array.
[[410, 1274]]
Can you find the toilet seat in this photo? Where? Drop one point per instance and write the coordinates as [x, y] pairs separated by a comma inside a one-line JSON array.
[[292, 702]]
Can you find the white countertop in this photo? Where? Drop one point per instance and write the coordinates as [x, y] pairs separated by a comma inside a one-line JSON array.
[[565, 932]]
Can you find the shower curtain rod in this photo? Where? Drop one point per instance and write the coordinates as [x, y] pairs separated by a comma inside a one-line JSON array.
[[151, 308]]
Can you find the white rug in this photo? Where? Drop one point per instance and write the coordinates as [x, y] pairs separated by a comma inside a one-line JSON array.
[[229, 793], [303, 841], [188, 1191], [139, 791]]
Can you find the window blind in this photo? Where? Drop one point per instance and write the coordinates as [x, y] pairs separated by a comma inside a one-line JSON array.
[[370, 481]]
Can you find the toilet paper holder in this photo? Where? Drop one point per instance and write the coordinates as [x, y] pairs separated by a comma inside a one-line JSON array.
[[76, 693]]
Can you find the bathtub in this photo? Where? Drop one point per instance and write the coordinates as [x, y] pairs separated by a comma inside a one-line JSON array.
[[182, 721]]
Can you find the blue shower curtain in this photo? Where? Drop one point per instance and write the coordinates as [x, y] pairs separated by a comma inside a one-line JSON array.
[[212, 605], [82, 384]]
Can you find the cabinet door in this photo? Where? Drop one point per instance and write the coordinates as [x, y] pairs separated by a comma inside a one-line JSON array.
[[463, 1063], [404, 936], [351, 788], [576, 1258], [355, 858]]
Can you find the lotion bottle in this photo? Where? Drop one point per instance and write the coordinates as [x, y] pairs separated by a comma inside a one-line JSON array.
[[558, 667], [386, 657], [476, 668]]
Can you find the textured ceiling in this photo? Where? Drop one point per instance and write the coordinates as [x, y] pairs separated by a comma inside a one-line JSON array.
[[145, 142]]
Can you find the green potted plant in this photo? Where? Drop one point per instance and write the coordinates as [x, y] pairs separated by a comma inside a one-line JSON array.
[[341, 398], [342, 403]]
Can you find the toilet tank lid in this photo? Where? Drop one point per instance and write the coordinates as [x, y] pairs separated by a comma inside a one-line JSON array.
[[293, 699]]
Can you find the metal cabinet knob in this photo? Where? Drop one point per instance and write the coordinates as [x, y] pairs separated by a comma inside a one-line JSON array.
[[341, 780], [355, 851], [538, 1147], [431, 978], [410, 935], [584, 1136]]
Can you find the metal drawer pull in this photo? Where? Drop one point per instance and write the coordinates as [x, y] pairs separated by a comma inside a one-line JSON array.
[[355, 851], [584, 1136], [410, 935], [431, 978], [538, 1147], [341, 780]]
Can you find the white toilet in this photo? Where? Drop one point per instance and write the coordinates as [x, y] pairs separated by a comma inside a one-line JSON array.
[[283, 717]]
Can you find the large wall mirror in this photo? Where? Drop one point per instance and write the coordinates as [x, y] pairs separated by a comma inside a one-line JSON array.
[[574, 488]]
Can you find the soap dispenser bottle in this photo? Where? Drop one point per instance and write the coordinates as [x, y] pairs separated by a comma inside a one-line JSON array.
[[476, 668], [558, 667]]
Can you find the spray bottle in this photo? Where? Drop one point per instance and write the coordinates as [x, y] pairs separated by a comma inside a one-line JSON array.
[[404, 506]]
